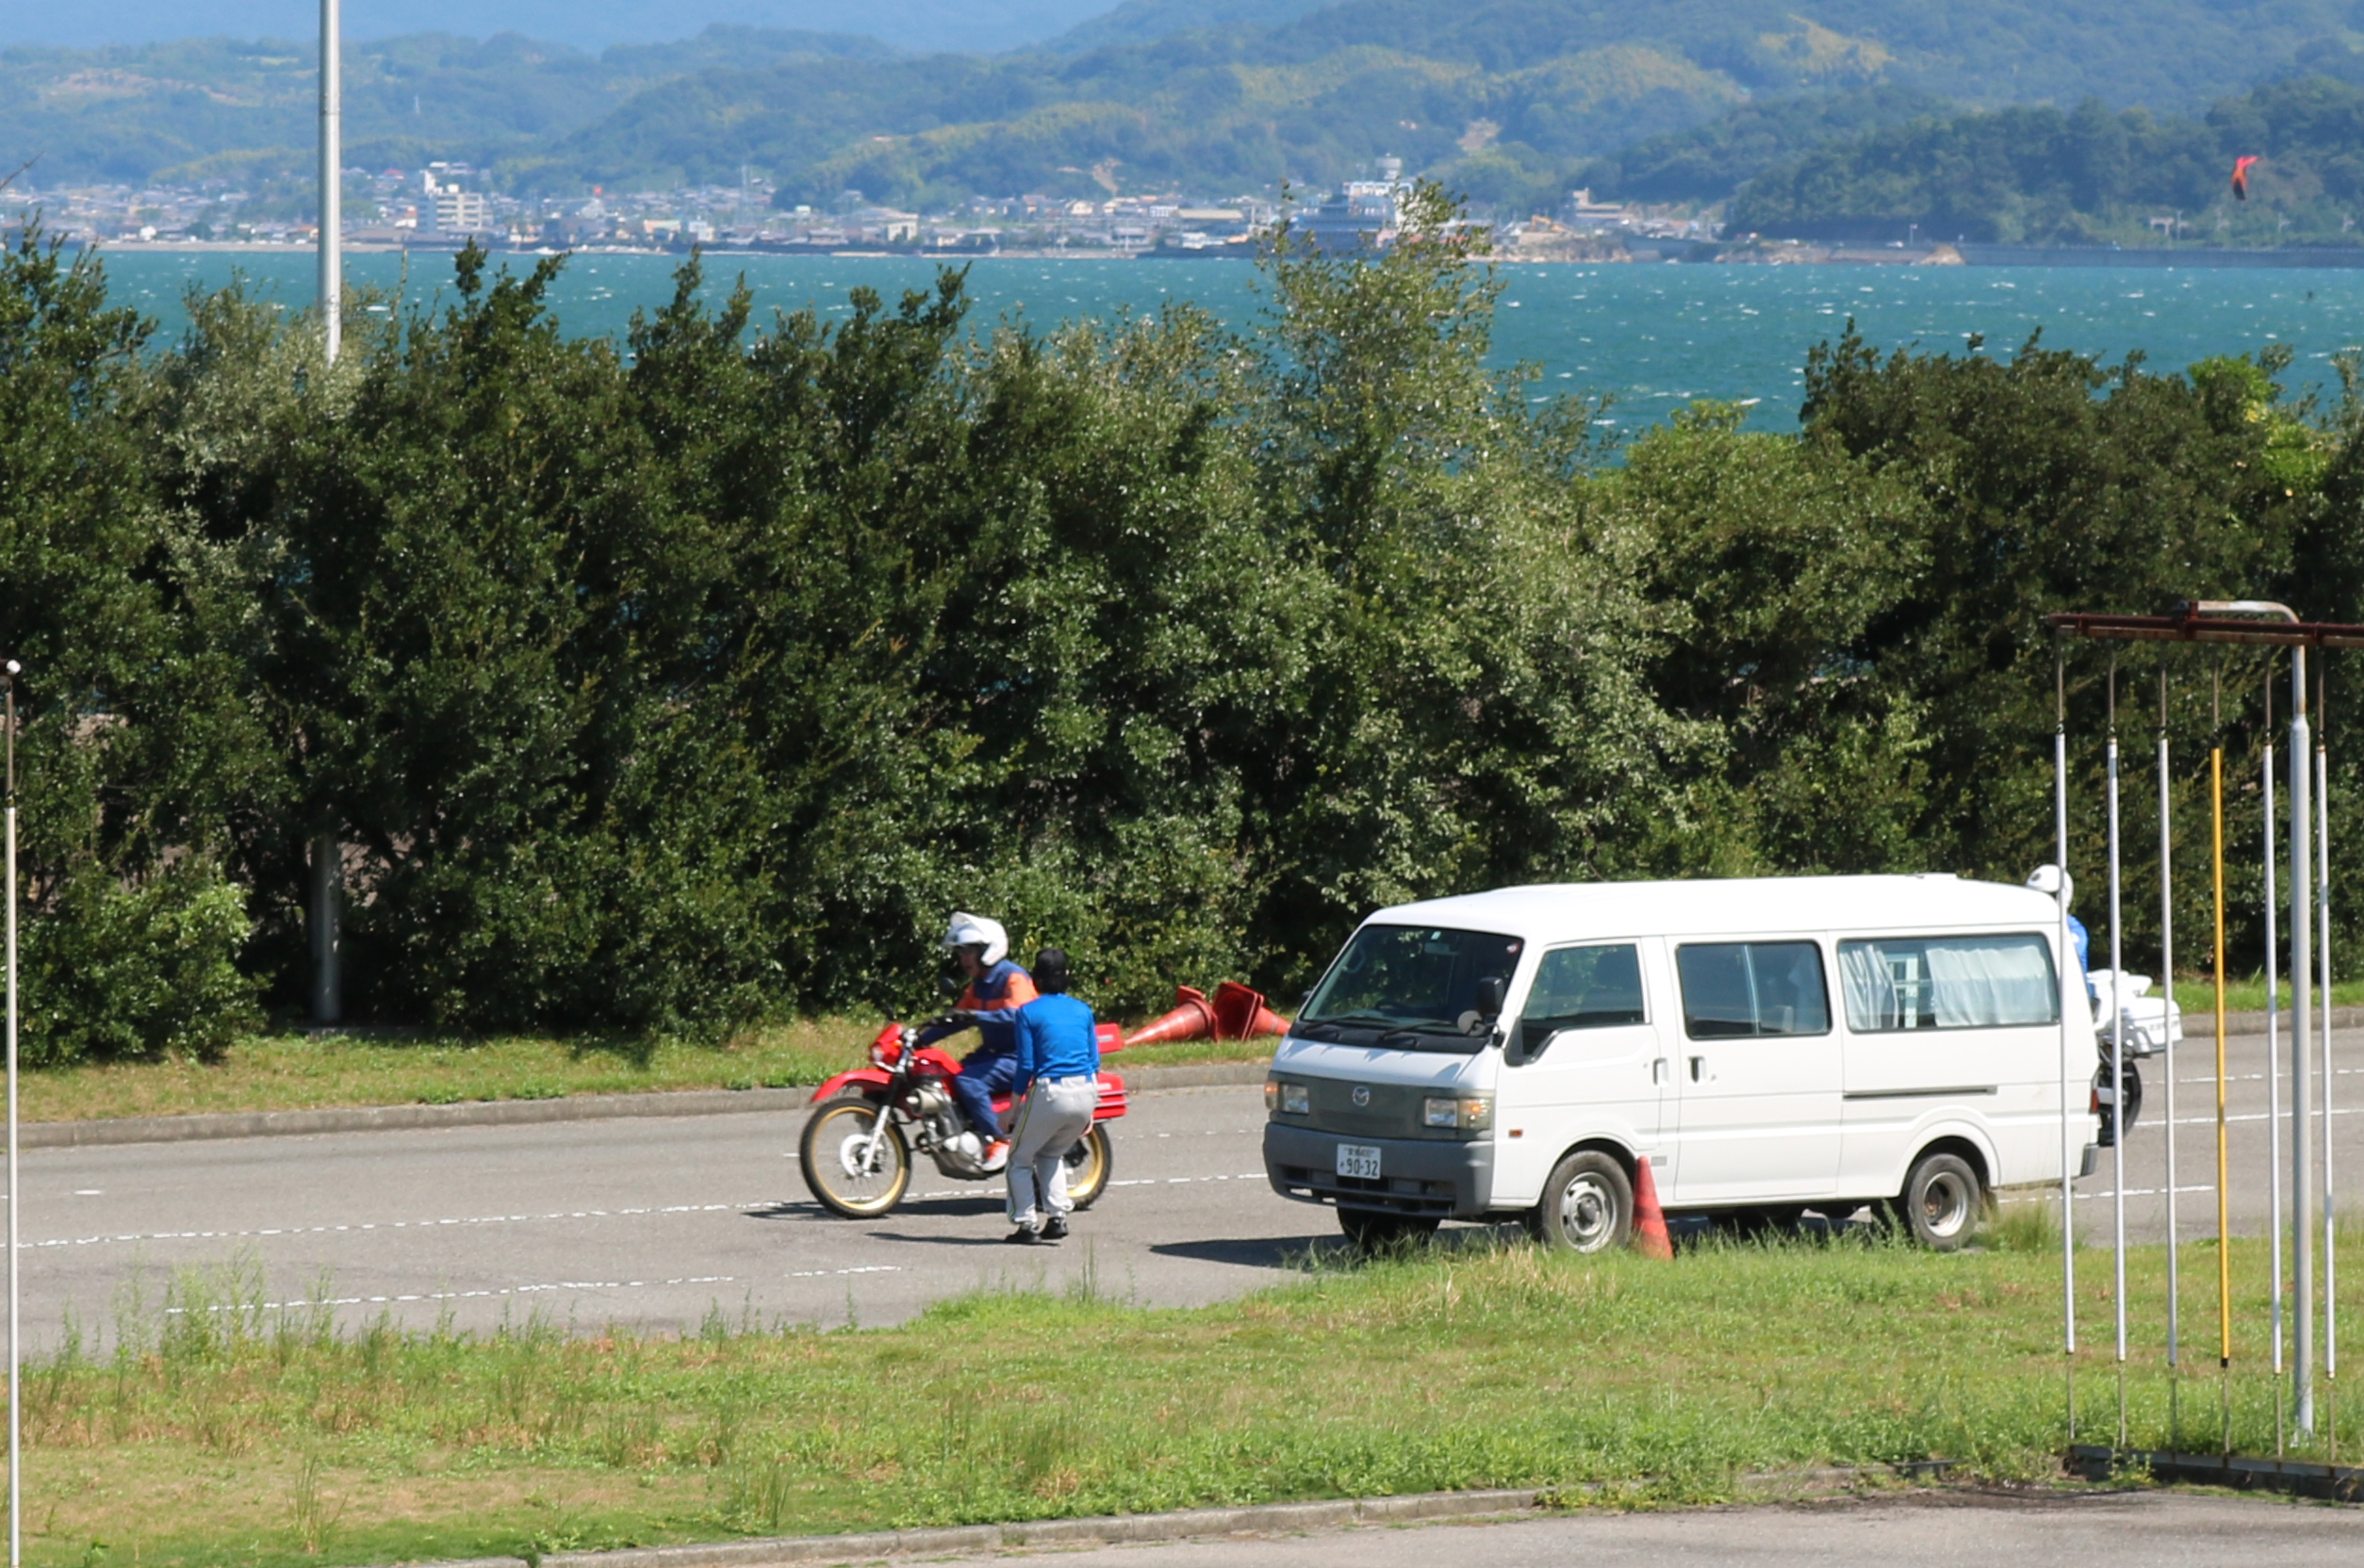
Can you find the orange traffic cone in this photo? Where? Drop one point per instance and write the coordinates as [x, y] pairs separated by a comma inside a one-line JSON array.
[[1192, 1019], [1649, 1222], [1241, 1015]]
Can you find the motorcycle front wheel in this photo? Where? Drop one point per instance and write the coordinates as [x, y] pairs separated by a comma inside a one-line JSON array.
[[1089, 1165], [851, 1171]]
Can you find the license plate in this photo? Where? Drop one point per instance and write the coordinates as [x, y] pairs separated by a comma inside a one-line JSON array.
[[1358, 1160]]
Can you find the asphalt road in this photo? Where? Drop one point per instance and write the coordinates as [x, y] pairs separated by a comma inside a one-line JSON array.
[[1928, 1530], [653, 1223]]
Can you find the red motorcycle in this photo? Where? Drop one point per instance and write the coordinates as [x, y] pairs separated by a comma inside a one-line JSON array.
[[858, 1145]]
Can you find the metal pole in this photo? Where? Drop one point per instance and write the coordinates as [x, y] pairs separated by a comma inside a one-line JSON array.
[[16, 1407], [2323, 948], [327, 858], [332, 178], [2073, 1000], [2223, 1174], [2302, 1091], [2274, 1054], [2117, 1060], [2167, 1028]]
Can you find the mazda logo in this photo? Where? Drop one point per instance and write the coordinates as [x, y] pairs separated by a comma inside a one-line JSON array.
[[1362, 1094]]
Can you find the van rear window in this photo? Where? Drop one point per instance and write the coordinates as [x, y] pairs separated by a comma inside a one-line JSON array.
[[1898, 983], [1741, 989]]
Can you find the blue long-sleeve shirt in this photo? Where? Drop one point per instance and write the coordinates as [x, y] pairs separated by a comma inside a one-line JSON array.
[[1056, 1039], [994, 997]]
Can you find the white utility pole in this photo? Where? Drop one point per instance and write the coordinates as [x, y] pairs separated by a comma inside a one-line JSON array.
[[327, 854], [16, 1359]]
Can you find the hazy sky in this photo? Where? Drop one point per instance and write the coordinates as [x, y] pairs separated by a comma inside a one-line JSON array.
[[585, 24]]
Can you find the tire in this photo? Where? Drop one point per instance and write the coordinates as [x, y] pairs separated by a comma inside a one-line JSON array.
[[1089, 1165], [1588, 1205], [1942, 1201], [2109, 1135], [828, 1150], [1374, 1231]]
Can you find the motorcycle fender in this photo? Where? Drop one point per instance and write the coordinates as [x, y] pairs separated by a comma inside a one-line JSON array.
[[867, 1078], [1111, 1098]]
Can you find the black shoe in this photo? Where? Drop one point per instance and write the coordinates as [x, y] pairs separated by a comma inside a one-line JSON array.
[[1055, 1228], [1025, 1237]]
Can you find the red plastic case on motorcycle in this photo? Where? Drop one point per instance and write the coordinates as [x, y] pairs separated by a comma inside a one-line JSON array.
[[936, 1063]]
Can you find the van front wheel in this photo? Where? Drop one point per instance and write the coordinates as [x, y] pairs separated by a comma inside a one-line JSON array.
[[1943, 1200], [1588, 1205]]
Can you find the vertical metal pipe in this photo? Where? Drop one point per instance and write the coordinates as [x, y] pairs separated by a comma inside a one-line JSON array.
[[2273, 1049], [332, 178], [2224, 1147], [2323, 949], [16, 1359], [2167, 1027], [2302, 1095], [2073, 1003], [2117, 1061]]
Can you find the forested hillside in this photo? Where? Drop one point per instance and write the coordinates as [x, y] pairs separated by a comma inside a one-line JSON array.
[[2089, 174], [1510, 100], [667, 688]]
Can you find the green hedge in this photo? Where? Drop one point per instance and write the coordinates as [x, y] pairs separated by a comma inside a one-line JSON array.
[[665, 684]]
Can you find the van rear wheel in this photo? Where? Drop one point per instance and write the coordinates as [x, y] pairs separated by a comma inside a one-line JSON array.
[[1943, 1200], [1588, 1205]]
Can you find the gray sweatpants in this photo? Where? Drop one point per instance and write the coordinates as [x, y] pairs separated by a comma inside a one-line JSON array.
[[1055, 1114]]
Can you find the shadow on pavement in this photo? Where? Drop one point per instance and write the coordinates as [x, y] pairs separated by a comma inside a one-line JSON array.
[[1284, 1252]]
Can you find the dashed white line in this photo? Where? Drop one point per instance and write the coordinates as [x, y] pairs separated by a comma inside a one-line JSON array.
[[397, 1224], [469, 1295]]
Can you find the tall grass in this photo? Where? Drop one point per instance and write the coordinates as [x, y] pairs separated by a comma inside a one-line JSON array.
[[207, 1427]]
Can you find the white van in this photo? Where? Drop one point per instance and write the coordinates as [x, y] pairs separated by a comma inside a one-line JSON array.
[[1771, 1046]]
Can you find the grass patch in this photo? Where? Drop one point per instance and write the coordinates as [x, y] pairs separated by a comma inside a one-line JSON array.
[[215, 1432], [2197, 994], [285, 1072]]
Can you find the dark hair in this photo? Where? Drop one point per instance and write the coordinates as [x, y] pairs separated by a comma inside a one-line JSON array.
[[1050, 972]]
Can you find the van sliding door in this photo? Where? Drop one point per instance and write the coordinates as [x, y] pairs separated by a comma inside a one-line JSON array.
[[1756, 1075]]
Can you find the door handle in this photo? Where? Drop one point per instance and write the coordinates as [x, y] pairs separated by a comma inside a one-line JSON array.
[[1697, 1063], [1658, 1071]]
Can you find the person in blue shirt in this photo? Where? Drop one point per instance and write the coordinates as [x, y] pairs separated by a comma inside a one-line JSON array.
[[1059, 1082], [2048, 879], [997, 989]]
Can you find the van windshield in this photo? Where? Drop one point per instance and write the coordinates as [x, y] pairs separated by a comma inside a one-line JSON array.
[[1409, 987]]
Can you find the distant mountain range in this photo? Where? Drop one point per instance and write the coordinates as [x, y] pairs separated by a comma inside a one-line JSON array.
[[1510, 100], [920, 27]]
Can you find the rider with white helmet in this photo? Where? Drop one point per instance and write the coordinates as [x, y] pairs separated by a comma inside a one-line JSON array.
[[2051, 879], [997, 989]]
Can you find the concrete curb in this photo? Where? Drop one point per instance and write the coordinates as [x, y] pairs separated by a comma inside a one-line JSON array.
[[2201, 1020], [517, 1113], [1183, 1525], [1267, 1519]]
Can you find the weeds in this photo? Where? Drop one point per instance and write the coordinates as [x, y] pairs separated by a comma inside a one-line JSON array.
[[213, 1423]]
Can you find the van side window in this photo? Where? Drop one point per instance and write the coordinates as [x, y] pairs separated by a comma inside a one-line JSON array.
[[1896, 983], [1734, 990], [1583, 988]]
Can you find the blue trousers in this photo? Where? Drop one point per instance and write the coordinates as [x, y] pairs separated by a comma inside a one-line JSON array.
[[983, 1074]]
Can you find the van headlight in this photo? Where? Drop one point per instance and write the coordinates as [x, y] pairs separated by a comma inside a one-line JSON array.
[[1287, 1099], [1467, 1113]]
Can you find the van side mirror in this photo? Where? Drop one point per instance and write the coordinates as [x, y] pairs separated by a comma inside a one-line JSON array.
[[1491, 990]]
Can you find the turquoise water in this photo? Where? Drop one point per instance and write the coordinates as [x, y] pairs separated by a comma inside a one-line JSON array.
[[1654, 337]]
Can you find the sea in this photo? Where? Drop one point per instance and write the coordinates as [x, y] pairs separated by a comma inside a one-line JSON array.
[[1650, 339]]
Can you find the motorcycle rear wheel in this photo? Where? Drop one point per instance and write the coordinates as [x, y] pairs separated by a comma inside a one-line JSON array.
[[1089, 1165], [841, 1167]]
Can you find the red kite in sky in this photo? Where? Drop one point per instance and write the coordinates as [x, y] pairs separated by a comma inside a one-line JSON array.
[[2241, 178]]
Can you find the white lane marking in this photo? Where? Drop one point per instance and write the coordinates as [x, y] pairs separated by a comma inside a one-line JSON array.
[[89, 1192], [1178, 1181], [398, 1224], [2150, 1125], [832, 1273], [468, 1294]]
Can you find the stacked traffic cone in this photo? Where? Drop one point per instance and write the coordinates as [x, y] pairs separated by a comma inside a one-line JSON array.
[[1649, 1222], [1192, 1019], [1241, 1015]]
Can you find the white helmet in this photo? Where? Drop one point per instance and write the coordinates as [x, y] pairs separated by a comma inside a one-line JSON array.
[[2049, 879], [976, 931]]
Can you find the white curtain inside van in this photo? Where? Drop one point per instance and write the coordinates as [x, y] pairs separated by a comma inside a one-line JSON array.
[[1947, 983]]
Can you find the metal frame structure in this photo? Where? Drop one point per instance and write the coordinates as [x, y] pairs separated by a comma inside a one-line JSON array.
[[2249, 622]]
